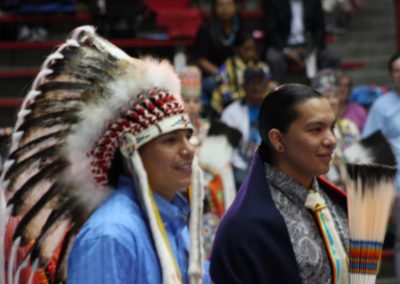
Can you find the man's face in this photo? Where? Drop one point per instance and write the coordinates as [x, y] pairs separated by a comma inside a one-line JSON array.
[[168, 162], [193, 105], [395, 74], [309, 141], [248, 51], [344, 89], [225, 9], [256, 90]]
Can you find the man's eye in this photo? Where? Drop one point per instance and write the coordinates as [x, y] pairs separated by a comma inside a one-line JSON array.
[[169, 140], [315, 129]]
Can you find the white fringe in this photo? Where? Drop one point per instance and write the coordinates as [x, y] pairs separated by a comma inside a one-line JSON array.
[[23, 265], [356, 278], [34, 267], [13, 259], [196, 256]]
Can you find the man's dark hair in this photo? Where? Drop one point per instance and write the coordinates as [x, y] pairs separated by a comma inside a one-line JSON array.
[[278, 111], [392, 59]]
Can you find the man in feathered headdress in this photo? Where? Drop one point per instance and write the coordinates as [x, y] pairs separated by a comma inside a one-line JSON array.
[[99, 157]]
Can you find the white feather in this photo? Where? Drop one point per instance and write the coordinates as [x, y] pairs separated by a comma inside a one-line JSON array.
[[215, 152], [13, 259], [19, 269], [356, 153]]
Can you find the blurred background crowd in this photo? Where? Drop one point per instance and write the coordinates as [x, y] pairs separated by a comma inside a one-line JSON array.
[[229, 54]]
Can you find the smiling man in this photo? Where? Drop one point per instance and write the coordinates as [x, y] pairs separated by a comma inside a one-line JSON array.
[[283, 201]]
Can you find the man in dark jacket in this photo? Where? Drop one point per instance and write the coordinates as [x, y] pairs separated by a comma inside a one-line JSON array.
[[294, 30]]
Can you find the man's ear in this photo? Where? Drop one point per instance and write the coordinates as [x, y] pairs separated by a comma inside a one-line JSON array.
[[275, 138]]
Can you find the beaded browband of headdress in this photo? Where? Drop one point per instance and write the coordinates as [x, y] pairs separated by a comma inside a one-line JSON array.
[[150, 115]]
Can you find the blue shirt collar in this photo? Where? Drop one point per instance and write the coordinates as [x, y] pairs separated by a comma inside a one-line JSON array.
[[173, 213]]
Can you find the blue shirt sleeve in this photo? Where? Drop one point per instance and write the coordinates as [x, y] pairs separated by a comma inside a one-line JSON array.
[[374, 120], [206, 278], [95, 260]]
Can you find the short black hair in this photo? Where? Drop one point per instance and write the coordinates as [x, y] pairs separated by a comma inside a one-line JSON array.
[[392, 59], [242, 37], [214, 5], [278, 111]]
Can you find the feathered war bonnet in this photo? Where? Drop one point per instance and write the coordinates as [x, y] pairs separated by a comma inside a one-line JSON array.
[[88, 101]]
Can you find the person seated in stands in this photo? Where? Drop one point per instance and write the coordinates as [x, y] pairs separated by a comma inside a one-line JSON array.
[[295, 33], [214, 42], [346, 131], [347, 109], [337, 15], [190, 78], [229, 78], [243, 115]]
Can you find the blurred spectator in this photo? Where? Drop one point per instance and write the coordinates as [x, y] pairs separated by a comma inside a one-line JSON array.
[[243, 115], [119, 18], [347, 109], [337, 15], [32, 31], [214, 144], [215, 155], [38, 6], [346, 131], [214, 42], [191, 90], [295, 33], [229, 78], [384, 115], [365, 95]]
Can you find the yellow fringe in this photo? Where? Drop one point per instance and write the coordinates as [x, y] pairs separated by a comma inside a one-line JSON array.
[[164, 233]]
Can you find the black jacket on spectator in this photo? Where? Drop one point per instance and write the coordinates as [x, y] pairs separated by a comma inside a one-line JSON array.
[[277, 20]]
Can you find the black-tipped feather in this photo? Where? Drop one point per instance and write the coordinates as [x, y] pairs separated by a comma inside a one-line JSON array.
[[33, 145], [63, 256], [49, 172], [219, 128], [56, 217], [372, 149], [40, 109], [370, 175], [29, 216], [63, 86], [47, 120], [36, 160]]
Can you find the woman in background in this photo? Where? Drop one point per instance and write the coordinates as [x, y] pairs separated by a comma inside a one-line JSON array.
[[230, 76], [214, 42]]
